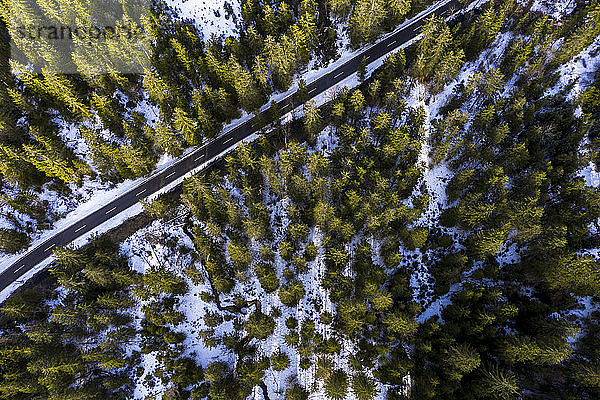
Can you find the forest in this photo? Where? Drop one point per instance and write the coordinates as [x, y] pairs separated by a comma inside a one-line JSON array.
[[63, 133], [431, 233]]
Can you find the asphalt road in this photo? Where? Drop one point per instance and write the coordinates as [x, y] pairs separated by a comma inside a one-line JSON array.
[[212, 149]]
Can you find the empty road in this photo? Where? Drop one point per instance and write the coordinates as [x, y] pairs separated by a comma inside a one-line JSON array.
[[214, 148]]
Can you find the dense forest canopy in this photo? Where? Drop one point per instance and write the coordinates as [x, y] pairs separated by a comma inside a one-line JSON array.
[[429, 233], [63, 134]]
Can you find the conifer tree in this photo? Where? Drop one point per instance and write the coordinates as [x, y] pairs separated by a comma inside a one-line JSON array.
[[340, 8], [461, 360], [13, 240], [280, 360], [291, 293], [296, 392], [498, 384], [247, 92], [336, 385], [583, 35], [312, 120], [365, 21], [362, 69], [363, 387], [186, 127], [259, 325]]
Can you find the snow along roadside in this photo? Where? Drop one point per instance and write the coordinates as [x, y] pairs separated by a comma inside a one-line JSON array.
[[89, 207]]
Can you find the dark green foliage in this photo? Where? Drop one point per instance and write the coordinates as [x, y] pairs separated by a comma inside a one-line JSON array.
[[12, 240], [48, 357], [280, 360], [461, 359], [351, 228], [259, 325], [223, 383], [296, 392], [363, 387], [438, 59], [291, 293], [267, 276], [448, 270], [336, 385]]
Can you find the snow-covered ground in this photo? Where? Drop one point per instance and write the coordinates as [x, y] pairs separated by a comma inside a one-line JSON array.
[[211, 16], [145, 252], [579, 71], [93, 194], [557, 9]]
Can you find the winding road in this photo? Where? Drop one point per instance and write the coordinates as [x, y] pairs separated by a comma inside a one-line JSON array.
[[213, 149]]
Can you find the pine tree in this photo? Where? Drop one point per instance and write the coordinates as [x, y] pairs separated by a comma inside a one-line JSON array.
[[578, 274], [340, 8], [259, 325], [382, 300], [246, 89], [366, 20], [239, 255], [280, 360], [363, 387], [159, 207], [583, 35], [484, 30], [165, 138], [51, 156], [156, 87], [281, 58], [397, 9], [61, 88], [336, 385], [312, 120], [267, 276], [304, 37], [487, 242], [524, 349], [15, 168], [182, 54], [12, 240], [296, 392], [22, 306], [398, 323], [362, 69], [269, 21], [436, 60], [586, 374], [461, 359], [291, 293], [352, 315], [497, 384], [186, 126], [302, 92]]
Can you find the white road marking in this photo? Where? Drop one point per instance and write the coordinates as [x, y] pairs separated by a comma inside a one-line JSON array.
[[285, 106], [228, 140], [171, 174], [17, 270], [196, 159], [80, 228], [312, 90], [338, 74]]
